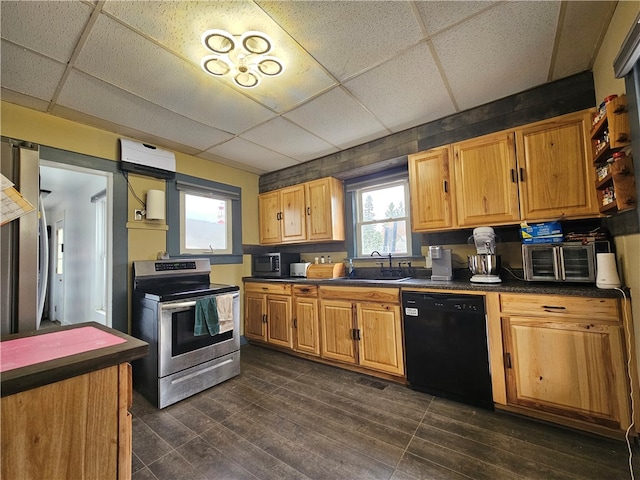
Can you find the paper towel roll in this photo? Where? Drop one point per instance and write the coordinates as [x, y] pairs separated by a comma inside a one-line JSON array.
[[607, 276], [155, 205]]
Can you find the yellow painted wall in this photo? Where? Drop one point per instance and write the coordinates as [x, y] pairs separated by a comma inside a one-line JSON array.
[[145, 238], [628, 246]]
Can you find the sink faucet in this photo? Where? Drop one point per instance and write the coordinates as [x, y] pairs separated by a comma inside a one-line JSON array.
[[375, 252]]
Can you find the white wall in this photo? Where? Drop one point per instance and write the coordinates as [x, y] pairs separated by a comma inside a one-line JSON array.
[[79, 249]]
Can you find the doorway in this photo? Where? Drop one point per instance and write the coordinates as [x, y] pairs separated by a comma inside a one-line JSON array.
[[80, 286]]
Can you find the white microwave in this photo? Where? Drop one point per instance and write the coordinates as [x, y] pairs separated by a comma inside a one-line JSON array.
[[560, 262]]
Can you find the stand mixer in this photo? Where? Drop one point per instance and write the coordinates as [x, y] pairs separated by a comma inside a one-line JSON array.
[[486, 265]]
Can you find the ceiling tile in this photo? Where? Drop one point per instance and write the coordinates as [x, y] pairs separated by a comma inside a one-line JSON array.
[[177, 85], [29, 73], [302, 79], [289, 139], [583, 25], [339, 119], [438, 15], [51, 28], [89, 95], [260, 158], [405, 91], [348, 37], [486, 57]]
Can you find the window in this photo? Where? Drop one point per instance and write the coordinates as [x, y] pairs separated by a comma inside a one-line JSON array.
[[204, 219], [382, 220], [205, 226]]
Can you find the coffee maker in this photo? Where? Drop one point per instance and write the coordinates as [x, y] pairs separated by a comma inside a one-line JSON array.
[[486, 265], [441, 267]]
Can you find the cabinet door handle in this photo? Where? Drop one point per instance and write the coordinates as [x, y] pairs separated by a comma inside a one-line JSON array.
[[553, 307], [444, 186], [521, 174], [309, 211], [264, 318], [507, 360], [513, 176], [356, 332], [295, 323]]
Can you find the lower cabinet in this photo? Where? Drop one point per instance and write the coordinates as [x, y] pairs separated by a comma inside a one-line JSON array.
[[358, 326], [75, 428], [306, 326], [565, 356], [361, 326], [267, 313]]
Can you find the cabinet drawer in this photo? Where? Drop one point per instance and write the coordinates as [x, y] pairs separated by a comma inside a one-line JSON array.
[[305, 290], [357, 294], [275, 287], [595, 308]]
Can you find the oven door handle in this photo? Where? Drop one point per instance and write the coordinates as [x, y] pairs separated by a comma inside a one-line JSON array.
[[176, 306]]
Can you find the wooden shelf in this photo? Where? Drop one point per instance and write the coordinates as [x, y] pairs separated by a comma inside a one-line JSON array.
[[620, 177], [609, 207], [600, 184]]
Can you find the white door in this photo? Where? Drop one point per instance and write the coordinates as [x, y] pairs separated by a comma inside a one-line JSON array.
[[58, 273]]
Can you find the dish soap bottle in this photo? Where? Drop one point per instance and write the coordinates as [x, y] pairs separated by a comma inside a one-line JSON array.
[[350, 269]]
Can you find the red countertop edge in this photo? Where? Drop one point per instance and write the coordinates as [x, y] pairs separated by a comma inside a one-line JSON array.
[[44, 373]]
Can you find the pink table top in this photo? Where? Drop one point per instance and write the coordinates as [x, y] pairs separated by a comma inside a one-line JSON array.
[[23, 352]]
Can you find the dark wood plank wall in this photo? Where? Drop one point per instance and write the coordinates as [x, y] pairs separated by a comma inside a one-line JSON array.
[[552, 99]]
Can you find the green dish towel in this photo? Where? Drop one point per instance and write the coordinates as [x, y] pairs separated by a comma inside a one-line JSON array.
[[206, 317]]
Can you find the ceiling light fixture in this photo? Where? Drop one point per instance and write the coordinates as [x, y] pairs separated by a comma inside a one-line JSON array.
[[244, 58]]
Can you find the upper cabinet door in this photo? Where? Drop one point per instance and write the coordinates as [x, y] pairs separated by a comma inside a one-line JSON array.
[[325, 209], [294, 228], [430, 187], [269, 212], [486, 181], [555, 168]]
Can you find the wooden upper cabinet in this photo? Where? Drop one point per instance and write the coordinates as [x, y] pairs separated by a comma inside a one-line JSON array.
[[311, 211], [269, 214], [430, 186], [485, 181], [325, 209], [555, 171], [294, 227]]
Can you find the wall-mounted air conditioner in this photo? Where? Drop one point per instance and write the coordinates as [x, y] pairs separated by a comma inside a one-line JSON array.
[[146, 159]]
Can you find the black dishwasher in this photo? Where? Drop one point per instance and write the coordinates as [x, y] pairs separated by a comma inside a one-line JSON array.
[[446, 346]]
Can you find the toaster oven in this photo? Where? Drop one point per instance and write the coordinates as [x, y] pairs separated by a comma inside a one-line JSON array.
[[559, 262]]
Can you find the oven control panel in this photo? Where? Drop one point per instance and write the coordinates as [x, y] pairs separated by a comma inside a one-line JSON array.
[[173, 266]]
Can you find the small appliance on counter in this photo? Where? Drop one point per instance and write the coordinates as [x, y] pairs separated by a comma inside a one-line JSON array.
[[562, 262], [485, 265], [607, 276], [441, 267], [299, 269], [273, 265]]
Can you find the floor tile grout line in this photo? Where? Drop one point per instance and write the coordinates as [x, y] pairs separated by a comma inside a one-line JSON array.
[[287, 441], [254, 446], [352, 413], [338, 441], [523, 440]]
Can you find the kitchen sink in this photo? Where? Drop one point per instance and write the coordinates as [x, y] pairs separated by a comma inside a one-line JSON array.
[[374, 279]]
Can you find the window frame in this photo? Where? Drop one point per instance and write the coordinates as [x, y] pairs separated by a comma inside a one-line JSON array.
[[194, 185], [353, 186]]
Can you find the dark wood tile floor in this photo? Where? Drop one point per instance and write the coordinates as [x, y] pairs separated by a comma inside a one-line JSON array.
[[287, 418]]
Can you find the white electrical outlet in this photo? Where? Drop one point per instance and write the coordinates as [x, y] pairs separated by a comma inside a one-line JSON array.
[[137, 214]]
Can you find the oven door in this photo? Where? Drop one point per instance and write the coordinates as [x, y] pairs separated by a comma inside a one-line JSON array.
[[179, 348]]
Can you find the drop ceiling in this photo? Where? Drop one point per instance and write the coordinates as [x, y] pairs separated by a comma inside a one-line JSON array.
[[355, 71]]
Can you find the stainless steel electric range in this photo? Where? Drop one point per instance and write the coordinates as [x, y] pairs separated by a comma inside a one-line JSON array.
[[181, 363]]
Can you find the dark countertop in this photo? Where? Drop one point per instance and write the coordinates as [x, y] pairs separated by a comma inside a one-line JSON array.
[[461, 282], [44, 373]]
